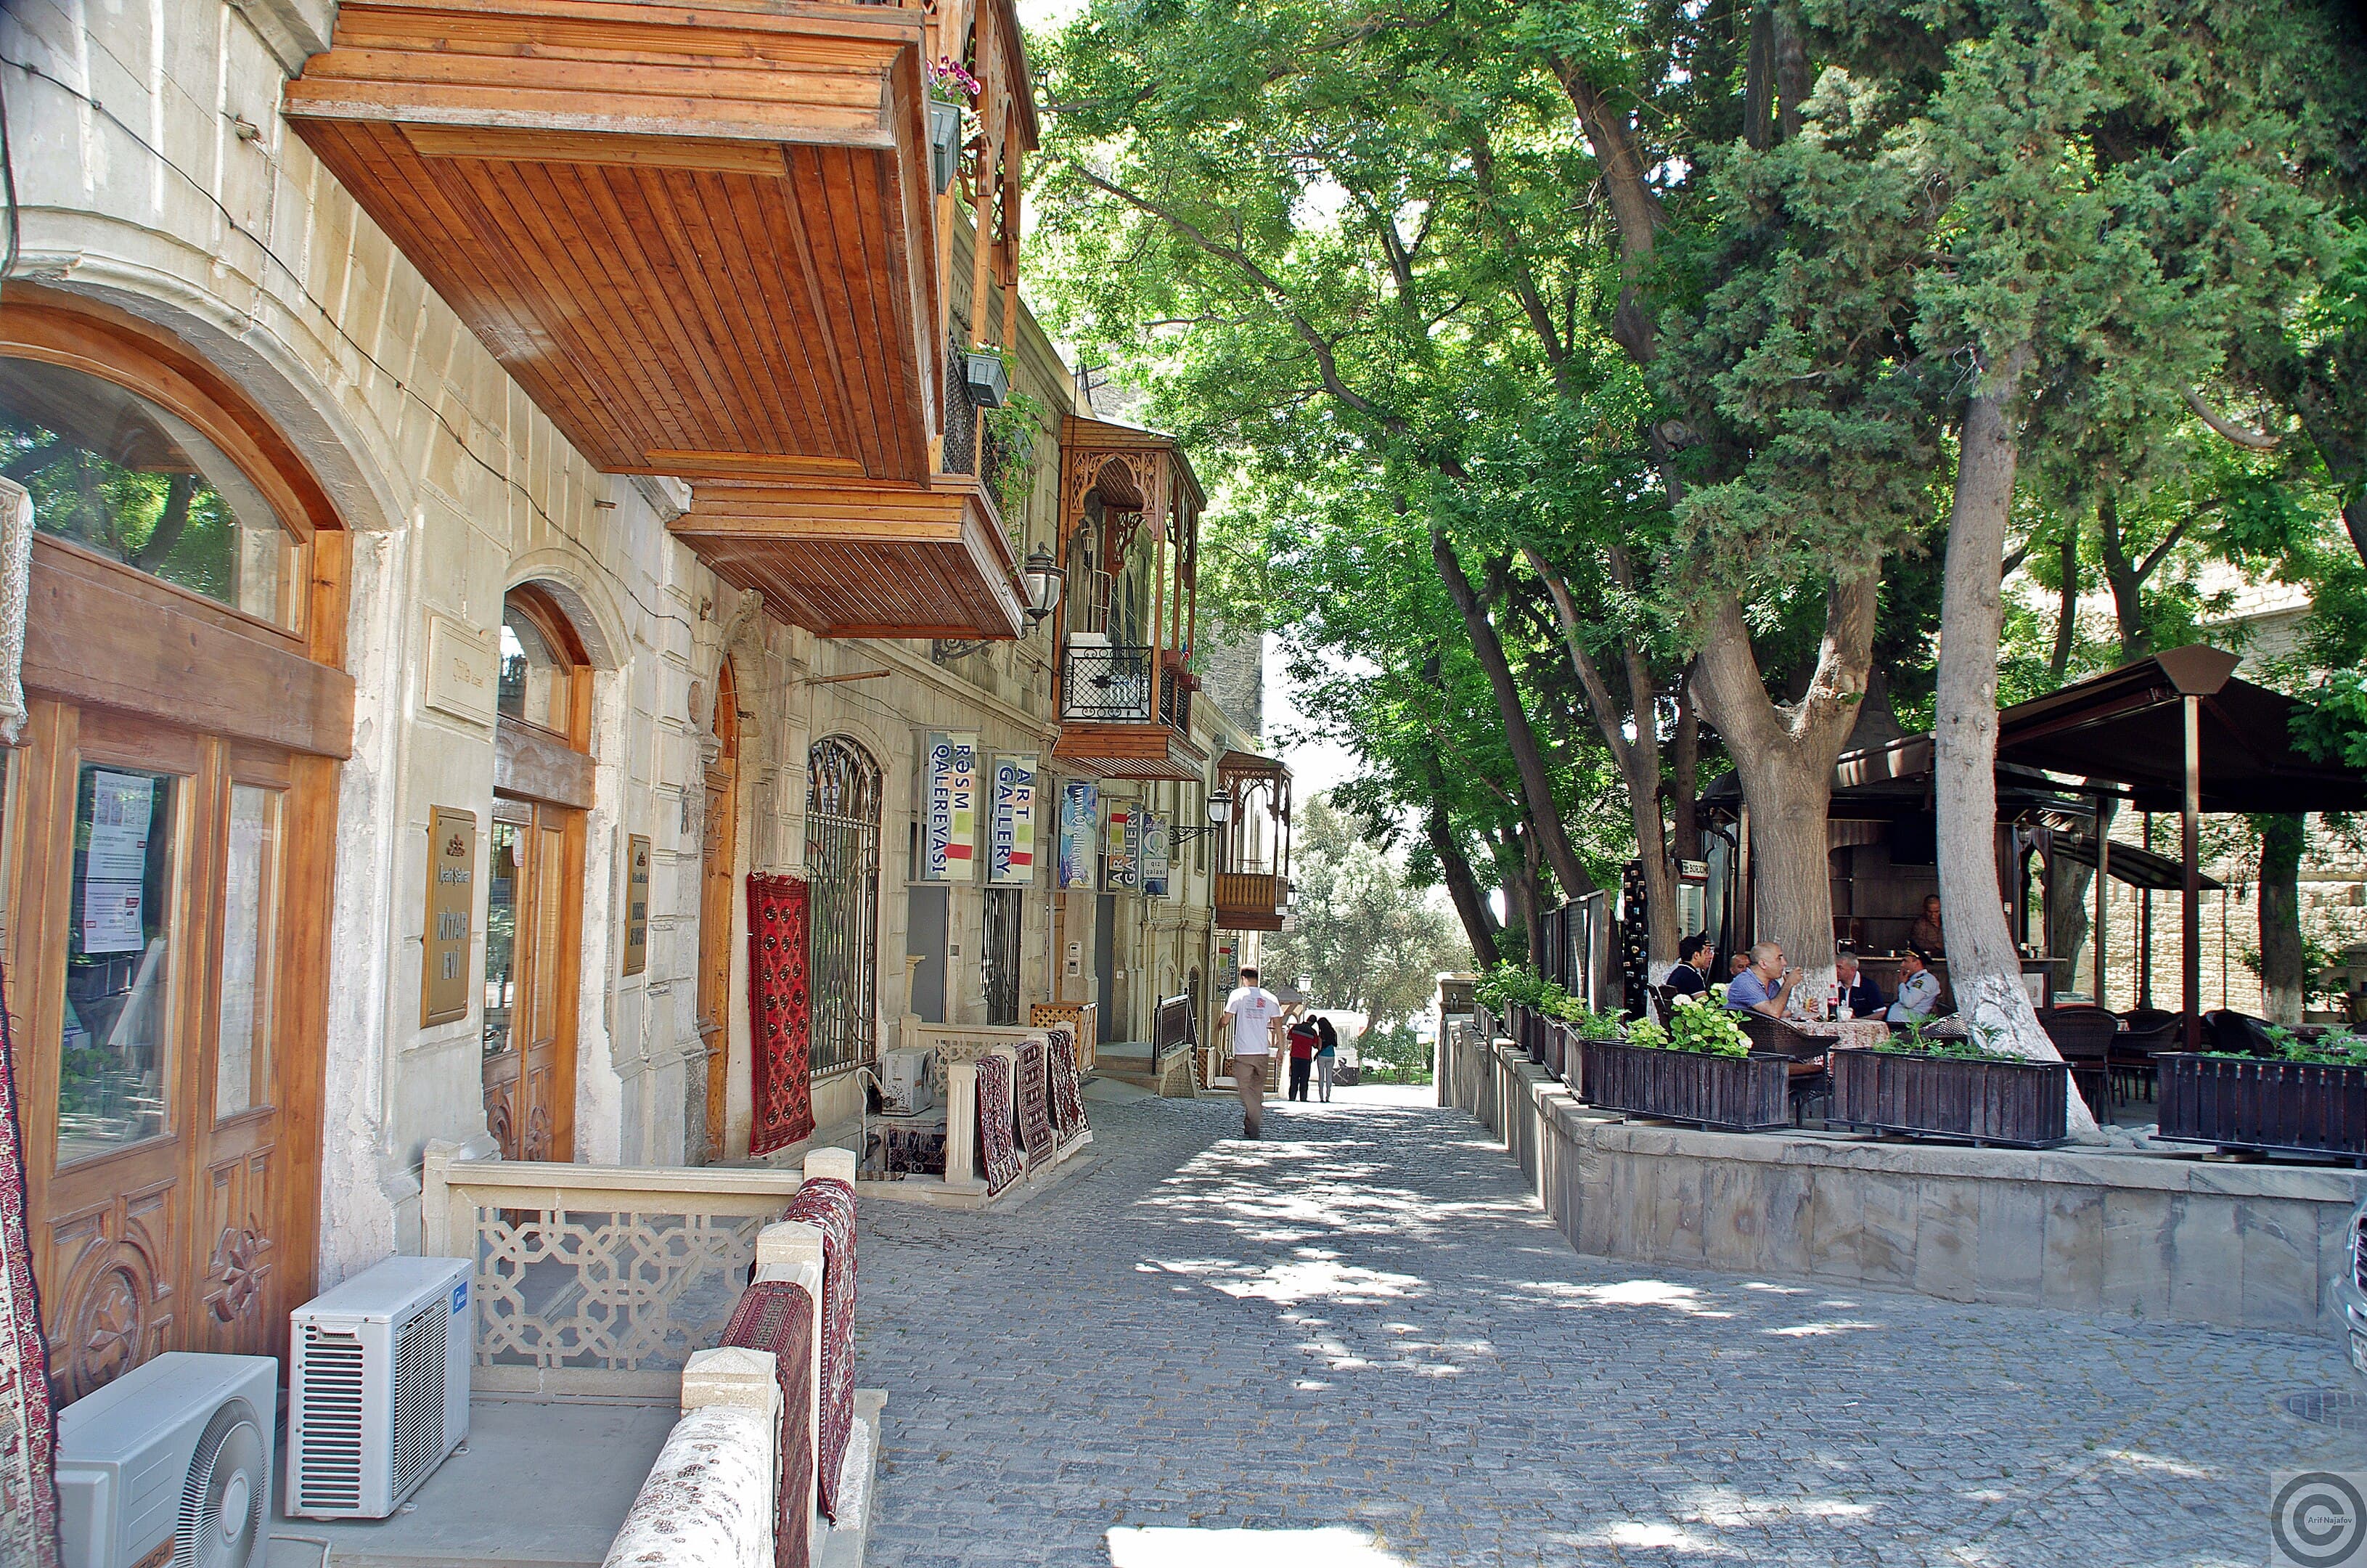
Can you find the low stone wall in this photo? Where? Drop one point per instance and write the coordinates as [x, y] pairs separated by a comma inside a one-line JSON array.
[[2144, 1236]]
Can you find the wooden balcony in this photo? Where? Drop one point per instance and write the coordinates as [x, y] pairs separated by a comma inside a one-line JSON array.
[[704, 239], [1123, 717], [862, 559], [1250, 901]]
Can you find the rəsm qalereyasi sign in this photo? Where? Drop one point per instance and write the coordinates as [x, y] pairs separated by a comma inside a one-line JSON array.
[[949, 832]]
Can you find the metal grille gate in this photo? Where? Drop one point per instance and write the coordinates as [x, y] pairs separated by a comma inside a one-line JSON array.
[[1001, 955], [843, 872]]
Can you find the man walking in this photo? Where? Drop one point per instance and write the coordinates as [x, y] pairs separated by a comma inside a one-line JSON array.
[[1255, 1018]]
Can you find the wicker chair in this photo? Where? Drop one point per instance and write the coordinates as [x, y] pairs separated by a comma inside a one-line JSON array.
[[1808, 1055], [2238, 1032], [2084, 1036], [1664, 1001], [2146, 1032]]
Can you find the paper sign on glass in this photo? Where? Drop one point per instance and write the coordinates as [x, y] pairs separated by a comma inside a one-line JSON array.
[[121, 806], [110, 917], [1155, 854]]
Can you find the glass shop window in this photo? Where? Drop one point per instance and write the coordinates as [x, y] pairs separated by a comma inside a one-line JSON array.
[[538, 667], [120, 475], [116, 1056]]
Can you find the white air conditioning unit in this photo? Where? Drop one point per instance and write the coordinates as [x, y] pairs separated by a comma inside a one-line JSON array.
[[378, 1387], [904, 1085], [173, 1457]]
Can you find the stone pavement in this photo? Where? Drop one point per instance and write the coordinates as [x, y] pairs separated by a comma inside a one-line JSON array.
[[1365, 1320]]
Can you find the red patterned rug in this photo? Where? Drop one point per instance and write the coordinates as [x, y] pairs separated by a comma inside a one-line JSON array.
[[775, 1315], [780, 1011], [1068, 1098], [830, 1207], [999, 1155], [29, 1497], [1034, 1104]]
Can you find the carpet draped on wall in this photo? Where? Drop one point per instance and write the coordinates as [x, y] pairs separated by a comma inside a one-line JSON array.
[[1067, 1100], [828, 1206], [28, 1499], [780, 1010]]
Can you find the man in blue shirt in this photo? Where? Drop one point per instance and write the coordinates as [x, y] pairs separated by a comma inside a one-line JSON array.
[[1859, 994], [1766, 986]]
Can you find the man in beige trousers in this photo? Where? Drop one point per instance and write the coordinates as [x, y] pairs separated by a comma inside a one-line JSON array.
[[1253, 1016]]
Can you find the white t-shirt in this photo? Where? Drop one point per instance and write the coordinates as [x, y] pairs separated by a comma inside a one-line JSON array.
[[1252, 1007]]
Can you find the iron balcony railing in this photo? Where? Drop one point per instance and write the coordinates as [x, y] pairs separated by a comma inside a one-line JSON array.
[[1107, 684]]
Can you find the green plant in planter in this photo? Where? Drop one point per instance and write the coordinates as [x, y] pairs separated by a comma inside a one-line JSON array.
[[1506, 984], [1703, 1025], [1016, 431], [2329, 1050], [1588, 1022], [1915, 1042]]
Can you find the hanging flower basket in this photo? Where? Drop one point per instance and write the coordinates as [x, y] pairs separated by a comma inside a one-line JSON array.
[[989, 376]]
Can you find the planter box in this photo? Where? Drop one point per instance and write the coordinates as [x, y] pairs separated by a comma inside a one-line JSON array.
[[1734, 1094], [2282, 1108], [2023, 1103], [1553, 1037], [945, 144]]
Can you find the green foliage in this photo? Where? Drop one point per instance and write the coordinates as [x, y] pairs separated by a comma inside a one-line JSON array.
[[1018, 432], [1367, 941], [2333, 1049], [1393, 1055], [1703, 1024], [1915, 1041]]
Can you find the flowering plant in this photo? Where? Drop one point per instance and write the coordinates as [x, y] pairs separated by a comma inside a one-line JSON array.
[[949, 83]]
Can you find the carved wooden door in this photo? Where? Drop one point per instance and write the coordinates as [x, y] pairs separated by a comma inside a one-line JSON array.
[[533, 926], [167, 1110], [717, 853]]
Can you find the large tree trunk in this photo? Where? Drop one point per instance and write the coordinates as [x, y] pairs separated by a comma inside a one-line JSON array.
[[1784, 759], [2282, 954], [1631, 731], [1536, 785], [1462, 884], [1983, 970], [1685, 777]]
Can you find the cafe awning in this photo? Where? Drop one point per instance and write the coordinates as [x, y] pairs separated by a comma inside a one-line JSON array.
[[2140, 868], [2127, 727]]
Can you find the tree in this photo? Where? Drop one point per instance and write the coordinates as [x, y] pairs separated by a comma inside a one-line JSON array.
[[1366, 942]]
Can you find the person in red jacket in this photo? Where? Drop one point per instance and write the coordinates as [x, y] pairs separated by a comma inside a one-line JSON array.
[[1304, 1042]]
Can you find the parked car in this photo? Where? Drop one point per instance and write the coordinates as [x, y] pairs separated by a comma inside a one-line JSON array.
[[2352, 1290]]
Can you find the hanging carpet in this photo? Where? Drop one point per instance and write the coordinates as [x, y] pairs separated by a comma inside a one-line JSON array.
[[28, 1499], [1068, 1098], [778, 1316], [1034, 1103], [828, 1206], [780, 1011], [995, 1149]]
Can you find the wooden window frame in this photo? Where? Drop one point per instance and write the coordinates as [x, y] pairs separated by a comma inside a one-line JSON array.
[[548, 616]]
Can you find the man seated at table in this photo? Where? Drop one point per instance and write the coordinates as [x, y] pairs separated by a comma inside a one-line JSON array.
[[1691, 976], [1859, 994], [1919, 988], [1766, 987]]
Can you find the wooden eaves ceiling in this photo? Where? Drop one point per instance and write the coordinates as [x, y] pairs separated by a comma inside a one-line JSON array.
[[702, 238]]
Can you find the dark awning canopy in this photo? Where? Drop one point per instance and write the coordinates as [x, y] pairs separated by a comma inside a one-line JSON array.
[[2138, 868], [2126, 727]]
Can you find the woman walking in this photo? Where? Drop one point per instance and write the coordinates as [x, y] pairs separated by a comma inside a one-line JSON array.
[[1327, 1051], [1303, 1043]]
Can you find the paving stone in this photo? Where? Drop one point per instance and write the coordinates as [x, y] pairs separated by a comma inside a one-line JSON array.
[[1364, 1320]]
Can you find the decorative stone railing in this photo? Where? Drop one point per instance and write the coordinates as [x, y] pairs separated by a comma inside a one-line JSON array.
[[734, 1485], [597, 1281]]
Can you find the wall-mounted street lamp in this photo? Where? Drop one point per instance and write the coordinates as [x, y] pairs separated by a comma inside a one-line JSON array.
[[1220, 812], [1043, 579]]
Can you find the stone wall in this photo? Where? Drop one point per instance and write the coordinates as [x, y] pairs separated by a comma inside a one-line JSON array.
[[2143, 1237]]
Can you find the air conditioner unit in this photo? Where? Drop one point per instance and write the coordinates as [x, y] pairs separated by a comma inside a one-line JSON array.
[[904, 1085], [378, 1387], [174, 1455]]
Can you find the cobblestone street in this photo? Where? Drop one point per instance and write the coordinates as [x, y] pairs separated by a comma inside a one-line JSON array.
[[1363, 1321]]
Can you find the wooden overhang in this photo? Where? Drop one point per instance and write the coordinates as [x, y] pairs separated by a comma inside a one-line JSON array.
[[859, 560], [1153, 751], [703, 239]]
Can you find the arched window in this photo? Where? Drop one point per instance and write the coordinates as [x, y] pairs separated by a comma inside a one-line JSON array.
[[545, 675], [118, 473], [842, 872]]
